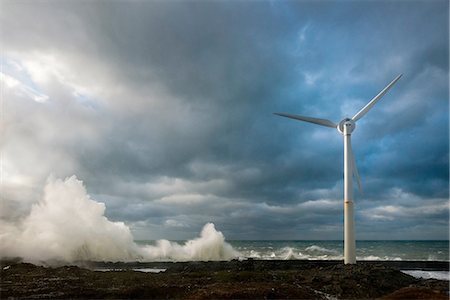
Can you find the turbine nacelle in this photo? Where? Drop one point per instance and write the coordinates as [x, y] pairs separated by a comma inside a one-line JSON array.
[[348, 124]]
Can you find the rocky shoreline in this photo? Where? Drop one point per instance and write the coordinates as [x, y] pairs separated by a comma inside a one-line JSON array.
[[248, 279]]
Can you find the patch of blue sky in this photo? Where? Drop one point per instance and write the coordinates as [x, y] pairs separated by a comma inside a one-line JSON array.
[[14, 69], [86, 100]]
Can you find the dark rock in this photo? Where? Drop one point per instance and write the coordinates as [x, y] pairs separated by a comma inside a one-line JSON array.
[[218, 280]]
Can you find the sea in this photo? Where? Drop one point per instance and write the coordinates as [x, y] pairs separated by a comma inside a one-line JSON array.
[[333, 250], [365, 250]]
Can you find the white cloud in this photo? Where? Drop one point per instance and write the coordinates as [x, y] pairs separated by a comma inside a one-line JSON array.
[[321, 204], [302, 33], [174, 223], [21, 89], [396, 212], [185, 199], [311, 206], [312, 77]]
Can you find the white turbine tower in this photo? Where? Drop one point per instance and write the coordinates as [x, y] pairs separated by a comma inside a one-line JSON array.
[[346, 127]]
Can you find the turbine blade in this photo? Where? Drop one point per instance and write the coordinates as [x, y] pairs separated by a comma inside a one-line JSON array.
[[372, 102], [355, 170], [317, 121]]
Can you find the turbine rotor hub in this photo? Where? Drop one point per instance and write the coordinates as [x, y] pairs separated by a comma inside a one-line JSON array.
[[348, 124]]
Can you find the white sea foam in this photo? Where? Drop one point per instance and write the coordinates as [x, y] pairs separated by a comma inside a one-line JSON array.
[[210, 245], [373, 257], [315, 248], [254, 254], [441, 275], [150, 270], [144, 270], [67, 225], [288, 253]]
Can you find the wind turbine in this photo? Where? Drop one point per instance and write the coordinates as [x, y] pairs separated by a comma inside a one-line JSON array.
[[346, 127]]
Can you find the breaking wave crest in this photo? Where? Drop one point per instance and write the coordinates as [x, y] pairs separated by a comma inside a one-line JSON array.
[[315, 248], [210, 245], [67, 225], [300, 252], [373, 257], [290, 253]]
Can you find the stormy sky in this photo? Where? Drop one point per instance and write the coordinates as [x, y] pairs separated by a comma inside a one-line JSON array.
[[164, 110]]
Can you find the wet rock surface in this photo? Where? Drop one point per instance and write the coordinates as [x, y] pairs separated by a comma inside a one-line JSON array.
[[219, 280]]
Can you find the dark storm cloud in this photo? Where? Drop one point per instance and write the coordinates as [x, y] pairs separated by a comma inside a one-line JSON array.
[[164, 109]]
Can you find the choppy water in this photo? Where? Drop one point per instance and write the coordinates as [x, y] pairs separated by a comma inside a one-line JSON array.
[[328, 250], [333, 250]]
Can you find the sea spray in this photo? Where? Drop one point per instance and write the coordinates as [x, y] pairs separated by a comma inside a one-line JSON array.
[[67, 225], [210, 245], [315, 248]]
